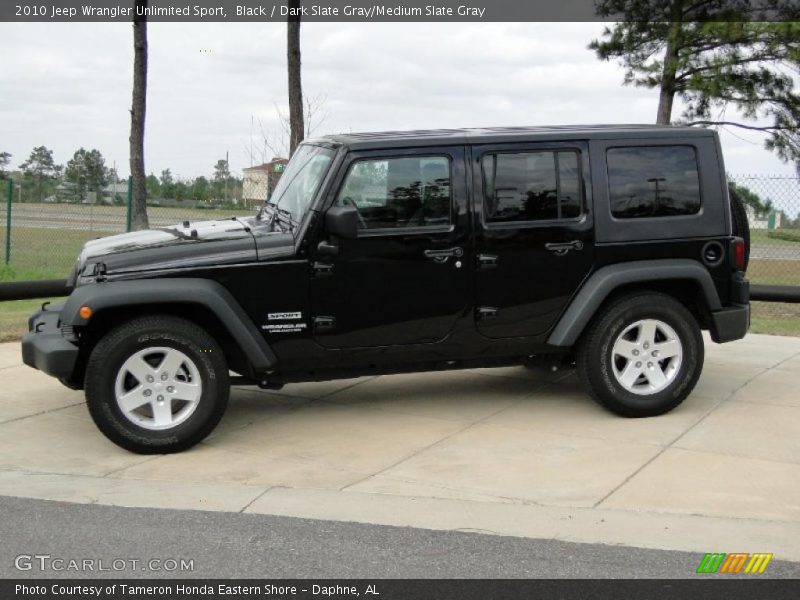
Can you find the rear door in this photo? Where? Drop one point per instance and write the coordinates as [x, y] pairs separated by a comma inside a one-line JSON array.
[[534, 236], [405, 279]]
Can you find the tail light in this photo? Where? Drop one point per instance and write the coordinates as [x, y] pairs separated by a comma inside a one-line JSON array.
[[738, 253]]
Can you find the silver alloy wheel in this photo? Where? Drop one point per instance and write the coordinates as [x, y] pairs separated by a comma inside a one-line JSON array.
[[646, 357], [158, 388]]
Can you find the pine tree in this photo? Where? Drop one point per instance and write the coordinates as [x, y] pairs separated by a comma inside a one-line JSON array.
[[714, 56]]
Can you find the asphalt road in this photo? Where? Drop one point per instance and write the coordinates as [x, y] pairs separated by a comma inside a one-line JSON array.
[[243, 545]]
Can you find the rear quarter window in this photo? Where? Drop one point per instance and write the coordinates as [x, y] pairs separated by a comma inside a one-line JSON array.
[[653, 181]]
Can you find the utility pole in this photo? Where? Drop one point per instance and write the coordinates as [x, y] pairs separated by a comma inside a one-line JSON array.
[[657, 181]]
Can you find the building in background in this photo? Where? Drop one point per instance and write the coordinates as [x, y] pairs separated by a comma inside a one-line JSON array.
[[259, 181], [770, 220]]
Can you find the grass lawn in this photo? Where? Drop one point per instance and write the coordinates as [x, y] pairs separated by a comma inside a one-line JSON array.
[[759, 237], [48, 252], [774, 272], [14, 317], [775, 318], [43, 253]]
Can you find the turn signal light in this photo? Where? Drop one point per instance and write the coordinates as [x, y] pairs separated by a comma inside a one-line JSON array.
[[738, 253], [85, 312]]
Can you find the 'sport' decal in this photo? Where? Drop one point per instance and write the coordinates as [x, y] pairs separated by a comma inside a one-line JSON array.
[[284, 316], [293, 327]]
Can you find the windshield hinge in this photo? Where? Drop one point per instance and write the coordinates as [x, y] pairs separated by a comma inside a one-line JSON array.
[[100, 270]]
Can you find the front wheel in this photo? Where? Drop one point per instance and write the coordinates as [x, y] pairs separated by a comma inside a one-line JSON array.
[[642, 355], [157, 384]]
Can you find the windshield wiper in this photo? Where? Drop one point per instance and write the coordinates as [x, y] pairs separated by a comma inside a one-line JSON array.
[[276, 217], [178, 234]]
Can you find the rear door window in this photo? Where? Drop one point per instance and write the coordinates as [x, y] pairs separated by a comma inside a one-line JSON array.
[[531, 186]]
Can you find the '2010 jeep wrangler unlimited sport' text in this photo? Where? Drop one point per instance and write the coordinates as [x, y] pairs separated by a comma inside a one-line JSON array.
[[607, 248]]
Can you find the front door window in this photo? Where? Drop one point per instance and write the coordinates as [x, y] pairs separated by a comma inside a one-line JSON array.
[[395, 193]]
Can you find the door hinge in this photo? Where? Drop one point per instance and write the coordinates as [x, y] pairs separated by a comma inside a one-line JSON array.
[[487, 261], [324, 323], [486, 312], [321, 268]]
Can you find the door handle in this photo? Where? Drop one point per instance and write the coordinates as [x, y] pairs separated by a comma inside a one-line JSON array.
[[441, 256], [561, 248]]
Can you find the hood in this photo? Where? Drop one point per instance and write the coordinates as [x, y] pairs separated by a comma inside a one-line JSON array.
[[188, 244], [167, 236]]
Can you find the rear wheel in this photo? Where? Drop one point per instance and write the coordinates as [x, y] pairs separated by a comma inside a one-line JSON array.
[[642, 355], [156, 384]]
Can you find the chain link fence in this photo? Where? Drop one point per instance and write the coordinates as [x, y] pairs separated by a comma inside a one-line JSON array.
[[42, 238], [773, 210]]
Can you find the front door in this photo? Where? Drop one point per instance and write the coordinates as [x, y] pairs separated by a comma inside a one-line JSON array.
[[405, 279], [534, 237]]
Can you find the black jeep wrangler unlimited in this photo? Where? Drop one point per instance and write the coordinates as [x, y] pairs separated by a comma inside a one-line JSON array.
[[606, 248]]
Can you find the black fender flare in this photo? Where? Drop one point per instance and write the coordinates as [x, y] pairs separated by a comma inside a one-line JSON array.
[[170, 291], [605, 280]]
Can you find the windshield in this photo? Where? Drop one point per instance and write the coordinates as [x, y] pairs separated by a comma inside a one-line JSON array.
[[301, 180]]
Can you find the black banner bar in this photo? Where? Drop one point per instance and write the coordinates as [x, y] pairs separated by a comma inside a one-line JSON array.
[[376, 10], [412, 589]]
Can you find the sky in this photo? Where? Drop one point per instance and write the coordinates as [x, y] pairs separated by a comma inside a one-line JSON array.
[[217, 87]]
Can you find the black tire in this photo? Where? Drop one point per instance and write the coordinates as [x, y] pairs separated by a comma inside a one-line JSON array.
[[594, 355], [739, 222], [109, 356]]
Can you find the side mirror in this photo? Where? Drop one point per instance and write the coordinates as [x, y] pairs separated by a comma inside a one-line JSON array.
[[342, 221]]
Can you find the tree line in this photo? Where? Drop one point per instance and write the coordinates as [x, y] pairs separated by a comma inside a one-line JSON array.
[[87, 176], [220, 188]]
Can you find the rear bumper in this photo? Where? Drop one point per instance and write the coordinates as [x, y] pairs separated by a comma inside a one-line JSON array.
[[730, 323], [45, 347]]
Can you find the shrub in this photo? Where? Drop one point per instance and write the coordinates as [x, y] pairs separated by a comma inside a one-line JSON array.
[[786, 235]]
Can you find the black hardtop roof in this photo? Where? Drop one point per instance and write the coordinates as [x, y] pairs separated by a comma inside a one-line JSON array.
[[499, 135]]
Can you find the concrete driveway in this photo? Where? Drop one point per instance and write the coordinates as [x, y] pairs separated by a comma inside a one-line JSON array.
[[505, 451]]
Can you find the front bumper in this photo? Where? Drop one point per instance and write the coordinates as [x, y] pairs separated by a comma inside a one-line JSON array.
[[730, 323], [45, 347]]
